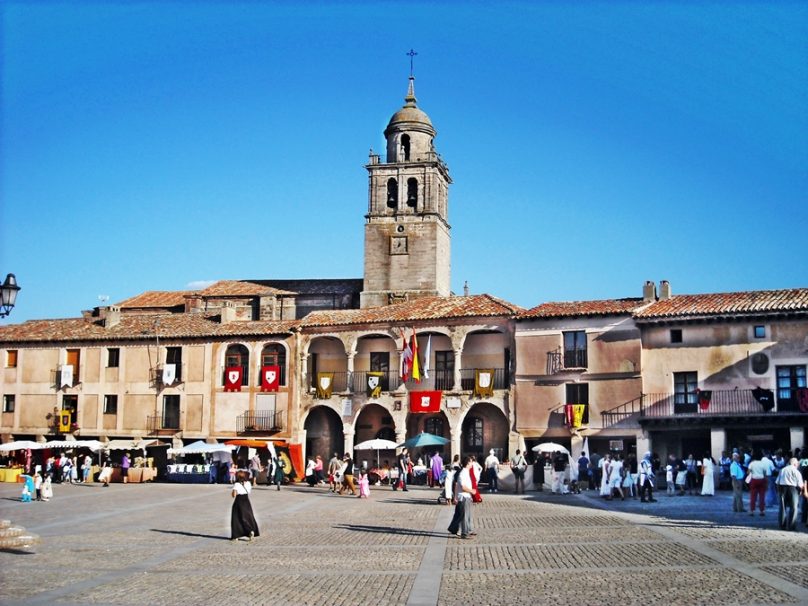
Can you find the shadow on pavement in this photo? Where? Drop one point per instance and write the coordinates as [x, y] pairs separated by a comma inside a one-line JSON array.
[[390, 530], [190, 534]]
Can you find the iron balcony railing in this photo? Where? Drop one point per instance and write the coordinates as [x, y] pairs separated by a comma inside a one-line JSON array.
[[571, 359], [721, 402], [156, 423], [260, 421], [391, 381], [626, 413]]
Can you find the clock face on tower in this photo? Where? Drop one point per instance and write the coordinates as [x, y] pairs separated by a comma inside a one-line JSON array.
[[398, 245]]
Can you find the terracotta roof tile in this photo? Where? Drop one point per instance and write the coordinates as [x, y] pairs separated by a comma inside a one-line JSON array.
[[240, 288], [425, 308], [157, 298], [753, 302], [605, 307], [138, 327]]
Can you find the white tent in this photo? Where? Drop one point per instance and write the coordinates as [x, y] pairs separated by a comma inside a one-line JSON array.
[[132, 444], [91, 444], [200, 447], [21, 445]]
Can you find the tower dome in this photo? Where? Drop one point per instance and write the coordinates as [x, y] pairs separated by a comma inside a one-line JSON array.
[[410, 132]]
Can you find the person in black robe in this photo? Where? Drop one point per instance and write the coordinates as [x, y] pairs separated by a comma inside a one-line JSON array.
[[242, 520]]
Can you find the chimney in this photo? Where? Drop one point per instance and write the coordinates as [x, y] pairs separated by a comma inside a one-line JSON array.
[[664, 290], [193, 304], [649, 291], [466, 288], [228, 312], [111, 315]]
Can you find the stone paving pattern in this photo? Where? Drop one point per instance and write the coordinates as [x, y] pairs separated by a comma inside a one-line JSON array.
[[169, 544]]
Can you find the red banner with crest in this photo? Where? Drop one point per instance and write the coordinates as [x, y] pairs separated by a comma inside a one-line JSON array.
[[425, 401], [270, 378], [232, 378]]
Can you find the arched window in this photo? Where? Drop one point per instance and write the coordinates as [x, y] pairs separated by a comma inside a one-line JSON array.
[[238, 355], [434, 425], [405, 146], [412, 192], [392, 193], [274, 354]]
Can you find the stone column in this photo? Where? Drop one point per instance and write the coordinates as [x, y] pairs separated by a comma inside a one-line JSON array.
[[458, 361], [643, 445], [454, 436], [348, 435], [797, 435], [718, 443]]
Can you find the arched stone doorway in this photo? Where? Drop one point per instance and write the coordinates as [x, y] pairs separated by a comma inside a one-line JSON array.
[[324, 435], [436, 424], [484, 428], [374, 421]]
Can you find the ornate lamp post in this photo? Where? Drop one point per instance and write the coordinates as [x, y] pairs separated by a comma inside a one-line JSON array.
[[8, 295]]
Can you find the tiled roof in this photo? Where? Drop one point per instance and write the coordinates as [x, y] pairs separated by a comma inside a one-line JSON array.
[[157, 298], [240, 288], [138, 327], [563, 309], [425, 308], [753, 302]]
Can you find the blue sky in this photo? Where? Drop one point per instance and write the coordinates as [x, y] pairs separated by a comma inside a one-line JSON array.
[[593, 145]]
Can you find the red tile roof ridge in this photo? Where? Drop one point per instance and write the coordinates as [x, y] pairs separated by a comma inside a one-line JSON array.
[[739, 302], [596, 307]]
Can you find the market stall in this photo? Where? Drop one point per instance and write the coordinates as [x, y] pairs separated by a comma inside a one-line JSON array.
[[198, 473]]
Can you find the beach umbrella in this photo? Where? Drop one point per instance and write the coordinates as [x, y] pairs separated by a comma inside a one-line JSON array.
[[376, 444], [424, 439], [550, 447]]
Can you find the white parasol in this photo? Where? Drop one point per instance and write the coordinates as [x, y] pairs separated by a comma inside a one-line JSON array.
[[376, 444], [550, 447]]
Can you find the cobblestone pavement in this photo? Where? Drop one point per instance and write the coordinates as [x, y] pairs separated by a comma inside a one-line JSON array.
[[168, 544]]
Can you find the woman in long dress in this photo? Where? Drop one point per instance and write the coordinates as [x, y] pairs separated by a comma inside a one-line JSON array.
[[605, 480], [242, 520], [707, 480]]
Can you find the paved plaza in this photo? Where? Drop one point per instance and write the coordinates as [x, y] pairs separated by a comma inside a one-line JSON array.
[[169, 544]]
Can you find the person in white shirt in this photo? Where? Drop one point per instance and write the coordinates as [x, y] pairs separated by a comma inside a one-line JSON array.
[[462, 497], [790, 485], [491, 465], [242, 520]]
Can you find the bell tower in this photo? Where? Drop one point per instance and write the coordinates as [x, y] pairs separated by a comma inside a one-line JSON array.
[[407, 241]]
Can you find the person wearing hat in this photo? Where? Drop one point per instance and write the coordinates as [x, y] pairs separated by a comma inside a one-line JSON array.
[[491, 465]]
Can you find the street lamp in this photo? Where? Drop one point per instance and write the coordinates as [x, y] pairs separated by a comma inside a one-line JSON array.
[[8, 295]]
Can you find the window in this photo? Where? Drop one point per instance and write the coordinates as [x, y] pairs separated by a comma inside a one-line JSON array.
[[237, 355], [575, 349], [8, 403], [676, 335], [760, 332], [392, 193], [685, 397], [110, 405], [73, 358], [113, 357], [412, 192], [380, 362], [11, 358], [171, 411], [444, 369], [434, 425], [578, 393], [274, 354], [70, 403], [791, 387], [405, 146], [473, 434], [174, 356]]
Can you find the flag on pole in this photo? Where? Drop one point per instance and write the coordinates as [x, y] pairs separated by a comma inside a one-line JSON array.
[[406, 358], [426, 357], [416, 367]]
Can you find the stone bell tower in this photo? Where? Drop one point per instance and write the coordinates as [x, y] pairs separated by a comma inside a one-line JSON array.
[[407, 241]]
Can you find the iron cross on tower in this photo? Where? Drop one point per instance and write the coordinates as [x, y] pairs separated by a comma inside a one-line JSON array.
[[411, 54]]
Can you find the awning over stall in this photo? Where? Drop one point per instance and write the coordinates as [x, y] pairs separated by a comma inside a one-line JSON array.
[[132, 444], [201, 447]]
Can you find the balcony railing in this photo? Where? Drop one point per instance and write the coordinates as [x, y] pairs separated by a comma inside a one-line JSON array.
[[269, 421], [570, 359], [624, 414], [722, 402], [158, 423], [390, 380], [438, 379]]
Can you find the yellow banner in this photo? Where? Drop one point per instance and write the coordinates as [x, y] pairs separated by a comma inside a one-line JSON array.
[[484, 383], [325, 384]]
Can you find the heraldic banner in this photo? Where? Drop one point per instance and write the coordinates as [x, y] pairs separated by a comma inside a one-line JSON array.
[[575, 414], [325, 384], [374, 386], [232, 378], [270, 378], [425, 401], [484, 383]]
